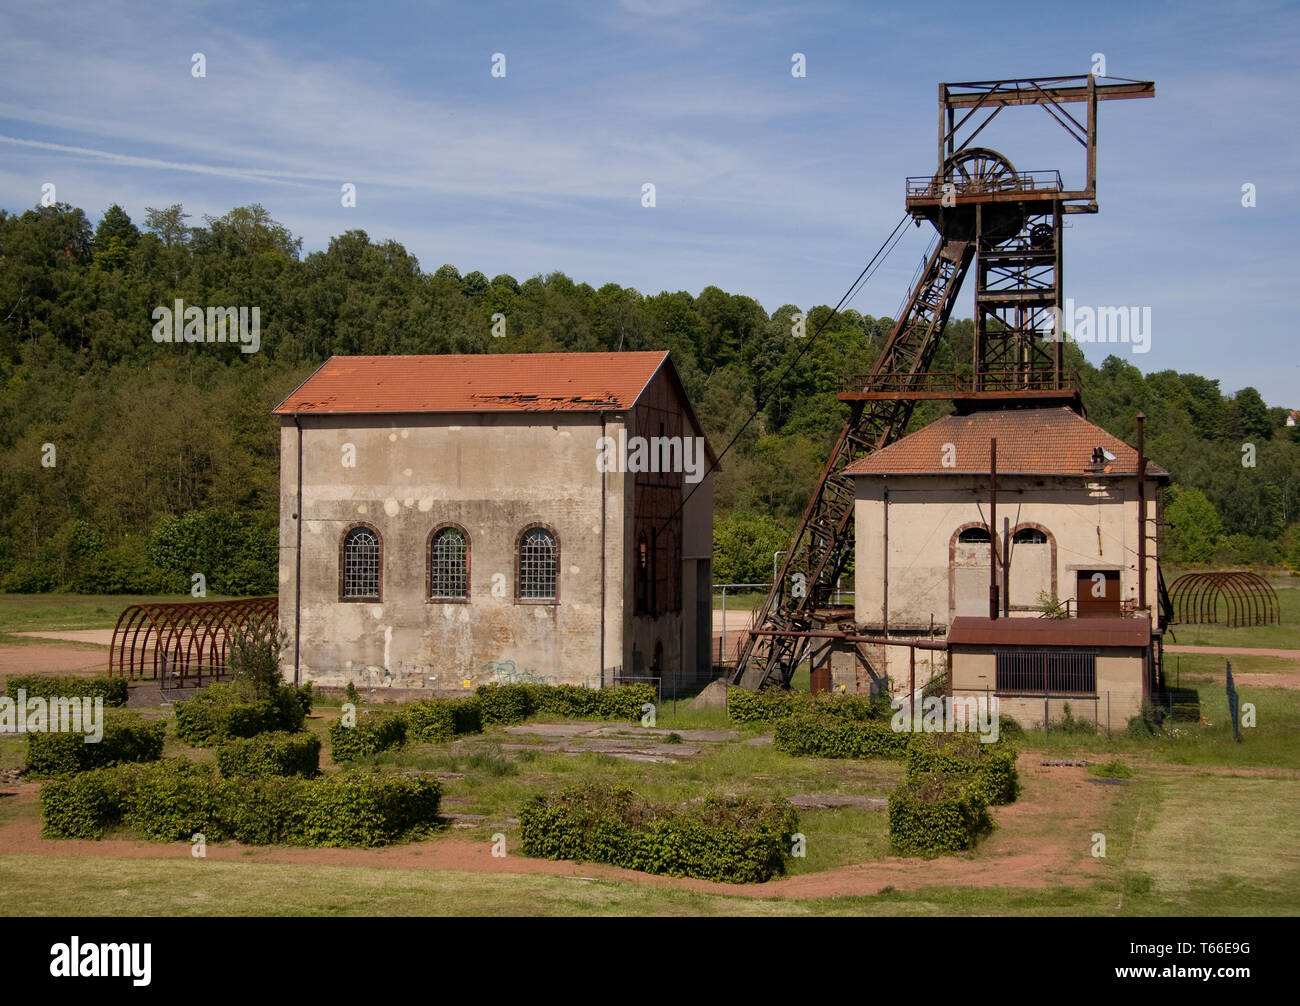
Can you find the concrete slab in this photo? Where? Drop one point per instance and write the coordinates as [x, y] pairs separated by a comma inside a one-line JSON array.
[[833, 801]]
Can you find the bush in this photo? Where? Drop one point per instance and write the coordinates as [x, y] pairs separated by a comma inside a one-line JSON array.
[[255, 657], [111, 690], [1113, 769], [81, 806], [767, 704], [1146, 722], [990, 769], [126, 738], [227, 710], [355, 808], [732, 839], [272, 754], [175, 799], [431, 720], [839, 737], [373, 732], [514, 703], [936, 813], [172, 800], [505, 704], [1067, 724]]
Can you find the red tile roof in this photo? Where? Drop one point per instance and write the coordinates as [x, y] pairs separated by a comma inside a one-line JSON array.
[[1050, 441], [968, 630], [484, 382]]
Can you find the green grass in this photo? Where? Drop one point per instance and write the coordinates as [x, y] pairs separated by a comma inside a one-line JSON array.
[[40, 885], [1215, 845], [66, 612]]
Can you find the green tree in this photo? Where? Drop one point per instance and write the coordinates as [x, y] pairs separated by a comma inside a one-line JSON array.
[[743, 544], [1195, 527]]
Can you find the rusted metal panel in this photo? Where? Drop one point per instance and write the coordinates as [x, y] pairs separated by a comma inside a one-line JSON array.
[[1104, 632]]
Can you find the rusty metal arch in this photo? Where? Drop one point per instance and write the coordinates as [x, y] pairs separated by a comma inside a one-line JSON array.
[[179, 641], [1246, 599]]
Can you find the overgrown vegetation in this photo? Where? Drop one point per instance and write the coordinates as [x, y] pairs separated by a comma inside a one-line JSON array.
[[936, 812], [49, 686], [733, 839], [176, 799], [127, 738]]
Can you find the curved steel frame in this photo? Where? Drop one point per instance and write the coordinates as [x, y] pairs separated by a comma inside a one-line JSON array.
[[1247, 599], [181, 639]]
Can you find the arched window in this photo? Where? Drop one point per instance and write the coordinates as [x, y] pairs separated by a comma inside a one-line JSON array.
[[974, 536], [539, 565], [361, 564], [1029, 536], [449, 564]]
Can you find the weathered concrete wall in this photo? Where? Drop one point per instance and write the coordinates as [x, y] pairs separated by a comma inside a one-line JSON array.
[[493, 474], [1121, 687], [932, 576]]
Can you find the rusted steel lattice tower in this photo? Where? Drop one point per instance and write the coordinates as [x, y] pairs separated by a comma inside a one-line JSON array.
[[1008, 224]]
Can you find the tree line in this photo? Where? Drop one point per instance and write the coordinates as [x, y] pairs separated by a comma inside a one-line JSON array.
[[129, 465]]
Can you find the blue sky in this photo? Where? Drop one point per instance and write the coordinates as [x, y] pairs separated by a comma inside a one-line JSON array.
[[766, 184]]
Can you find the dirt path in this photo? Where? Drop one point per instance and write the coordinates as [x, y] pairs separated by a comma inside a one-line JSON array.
[[100, 637], [42, 659], [1042, 840]]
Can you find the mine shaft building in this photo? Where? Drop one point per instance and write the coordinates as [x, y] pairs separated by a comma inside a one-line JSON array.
[[1067, 529], [449, 521]]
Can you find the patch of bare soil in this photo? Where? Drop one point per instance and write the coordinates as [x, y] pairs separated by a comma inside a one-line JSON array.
[[1042, 840], [53, 659]]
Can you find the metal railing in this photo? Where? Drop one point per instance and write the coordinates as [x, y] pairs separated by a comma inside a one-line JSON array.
[[957, 383], [932, 186]]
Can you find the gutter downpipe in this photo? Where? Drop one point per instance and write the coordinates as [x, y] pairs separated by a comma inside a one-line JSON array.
[[603, 477], [297, 574]]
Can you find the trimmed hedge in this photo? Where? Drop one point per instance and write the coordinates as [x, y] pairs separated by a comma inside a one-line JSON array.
[[990, 769], [514, 703], [127, 738], [111, 690], [767, 704], [839, 737], [84, 805], [228, 709], [373, 732], [936, 812], [172, 800], [273, 754], [431, 720], [504, 704], [732, 839]]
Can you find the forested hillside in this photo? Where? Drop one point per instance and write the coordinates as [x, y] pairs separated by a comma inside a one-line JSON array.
[[127, 465]]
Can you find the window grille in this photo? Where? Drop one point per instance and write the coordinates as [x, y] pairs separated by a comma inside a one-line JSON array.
[[538, 565], [1056, 672], [361, 563], [449, 564]]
